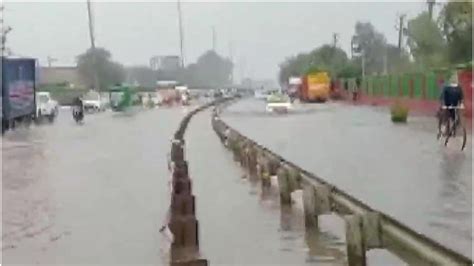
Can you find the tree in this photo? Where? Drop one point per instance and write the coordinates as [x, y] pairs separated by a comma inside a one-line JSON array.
[[398, 61], [210, 70], [142, 75], [373, 45], [426, 41], [324, 58], [99, 62], [456, 22]]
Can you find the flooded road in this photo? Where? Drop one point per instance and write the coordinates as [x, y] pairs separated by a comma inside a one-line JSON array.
[[401, 170], [239, 224], [98, 193], [90, 194]]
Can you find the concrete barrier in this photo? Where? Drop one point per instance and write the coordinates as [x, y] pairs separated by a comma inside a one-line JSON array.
[[182, 215], [366, 228]]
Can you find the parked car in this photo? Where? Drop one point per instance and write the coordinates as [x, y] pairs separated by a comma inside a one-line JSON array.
[[45, 106]]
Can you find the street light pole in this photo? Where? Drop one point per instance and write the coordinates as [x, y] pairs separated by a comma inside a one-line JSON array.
[[93, 50], [181, 37], [91, 25]]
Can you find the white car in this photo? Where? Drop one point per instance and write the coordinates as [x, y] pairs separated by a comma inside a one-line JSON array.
[[278, 103], [93, 102], [45, 106]]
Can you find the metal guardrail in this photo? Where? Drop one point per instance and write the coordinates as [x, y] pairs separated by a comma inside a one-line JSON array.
[[366, 228]]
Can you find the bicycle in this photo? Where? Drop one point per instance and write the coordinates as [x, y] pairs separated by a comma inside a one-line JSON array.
[[452, 127]]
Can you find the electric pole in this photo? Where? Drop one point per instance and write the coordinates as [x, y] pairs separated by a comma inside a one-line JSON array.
[[431, 4], [93, 50], [181, 37], [51, 60], [91, 24], [335, 39], [401, 24], [231, 58]]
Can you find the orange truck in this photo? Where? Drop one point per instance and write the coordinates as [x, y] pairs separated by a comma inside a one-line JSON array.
[[315, 87]]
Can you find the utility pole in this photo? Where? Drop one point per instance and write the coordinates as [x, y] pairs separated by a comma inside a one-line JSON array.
[[51, 60], [231, 58], [181, 37], [93, 50], [401, 24], [335, 39], [91, 24], [214, 41], [431, 4]]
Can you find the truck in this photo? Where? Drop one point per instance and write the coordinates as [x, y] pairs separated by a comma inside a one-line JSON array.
[[315, 87], [294, 83], [18, 89]]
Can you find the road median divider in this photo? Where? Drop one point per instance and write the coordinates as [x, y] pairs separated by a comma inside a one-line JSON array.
[[182, 221]]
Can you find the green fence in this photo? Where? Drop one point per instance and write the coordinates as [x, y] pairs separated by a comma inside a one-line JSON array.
[[414, 85]]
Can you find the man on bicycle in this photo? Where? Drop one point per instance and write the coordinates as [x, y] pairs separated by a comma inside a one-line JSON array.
[[451, 97]]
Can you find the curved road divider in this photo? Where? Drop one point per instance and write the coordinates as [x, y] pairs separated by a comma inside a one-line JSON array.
[[182, 220], [366, 228]]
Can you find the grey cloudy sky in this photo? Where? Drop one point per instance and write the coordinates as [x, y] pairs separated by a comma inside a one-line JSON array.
[[262, 33]]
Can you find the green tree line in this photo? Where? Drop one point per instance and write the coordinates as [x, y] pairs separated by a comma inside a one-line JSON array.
[[210, 69], [431, 43]]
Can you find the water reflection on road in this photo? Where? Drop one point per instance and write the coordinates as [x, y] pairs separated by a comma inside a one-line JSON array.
[[90, 194], [98, 193], [399, 169]]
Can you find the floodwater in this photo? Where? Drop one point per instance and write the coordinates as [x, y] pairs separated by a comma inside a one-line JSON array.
[[401, 170], [90, 194], [98, 193]]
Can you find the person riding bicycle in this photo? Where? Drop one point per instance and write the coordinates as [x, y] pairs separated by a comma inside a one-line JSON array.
[[451, 97]]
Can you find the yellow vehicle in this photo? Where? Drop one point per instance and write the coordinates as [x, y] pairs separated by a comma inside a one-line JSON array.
[[315, 87]]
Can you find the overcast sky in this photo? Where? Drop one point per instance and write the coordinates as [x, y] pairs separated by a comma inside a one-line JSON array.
[[262, 34]]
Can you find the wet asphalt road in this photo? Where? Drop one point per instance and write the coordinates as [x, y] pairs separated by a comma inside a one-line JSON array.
[[97, 193], [401, 170], [90, 194]]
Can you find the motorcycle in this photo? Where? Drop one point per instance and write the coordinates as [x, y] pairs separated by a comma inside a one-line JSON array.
[[77, 114]]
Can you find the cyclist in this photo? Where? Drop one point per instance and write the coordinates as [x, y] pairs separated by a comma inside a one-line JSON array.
[[451, 96]]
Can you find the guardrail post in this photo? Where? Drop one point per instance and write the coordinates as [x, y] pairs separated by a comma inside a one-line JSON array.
[[316, 201], [355, 241], [264, 173], [284, 186], [295, 177], [309, 206], [252, 162], [372, 230], [177, 150], [323, 200]]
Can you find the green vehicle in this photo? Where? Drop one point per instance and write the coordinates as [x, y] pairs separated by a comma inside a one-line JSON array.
[[120, 98]]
